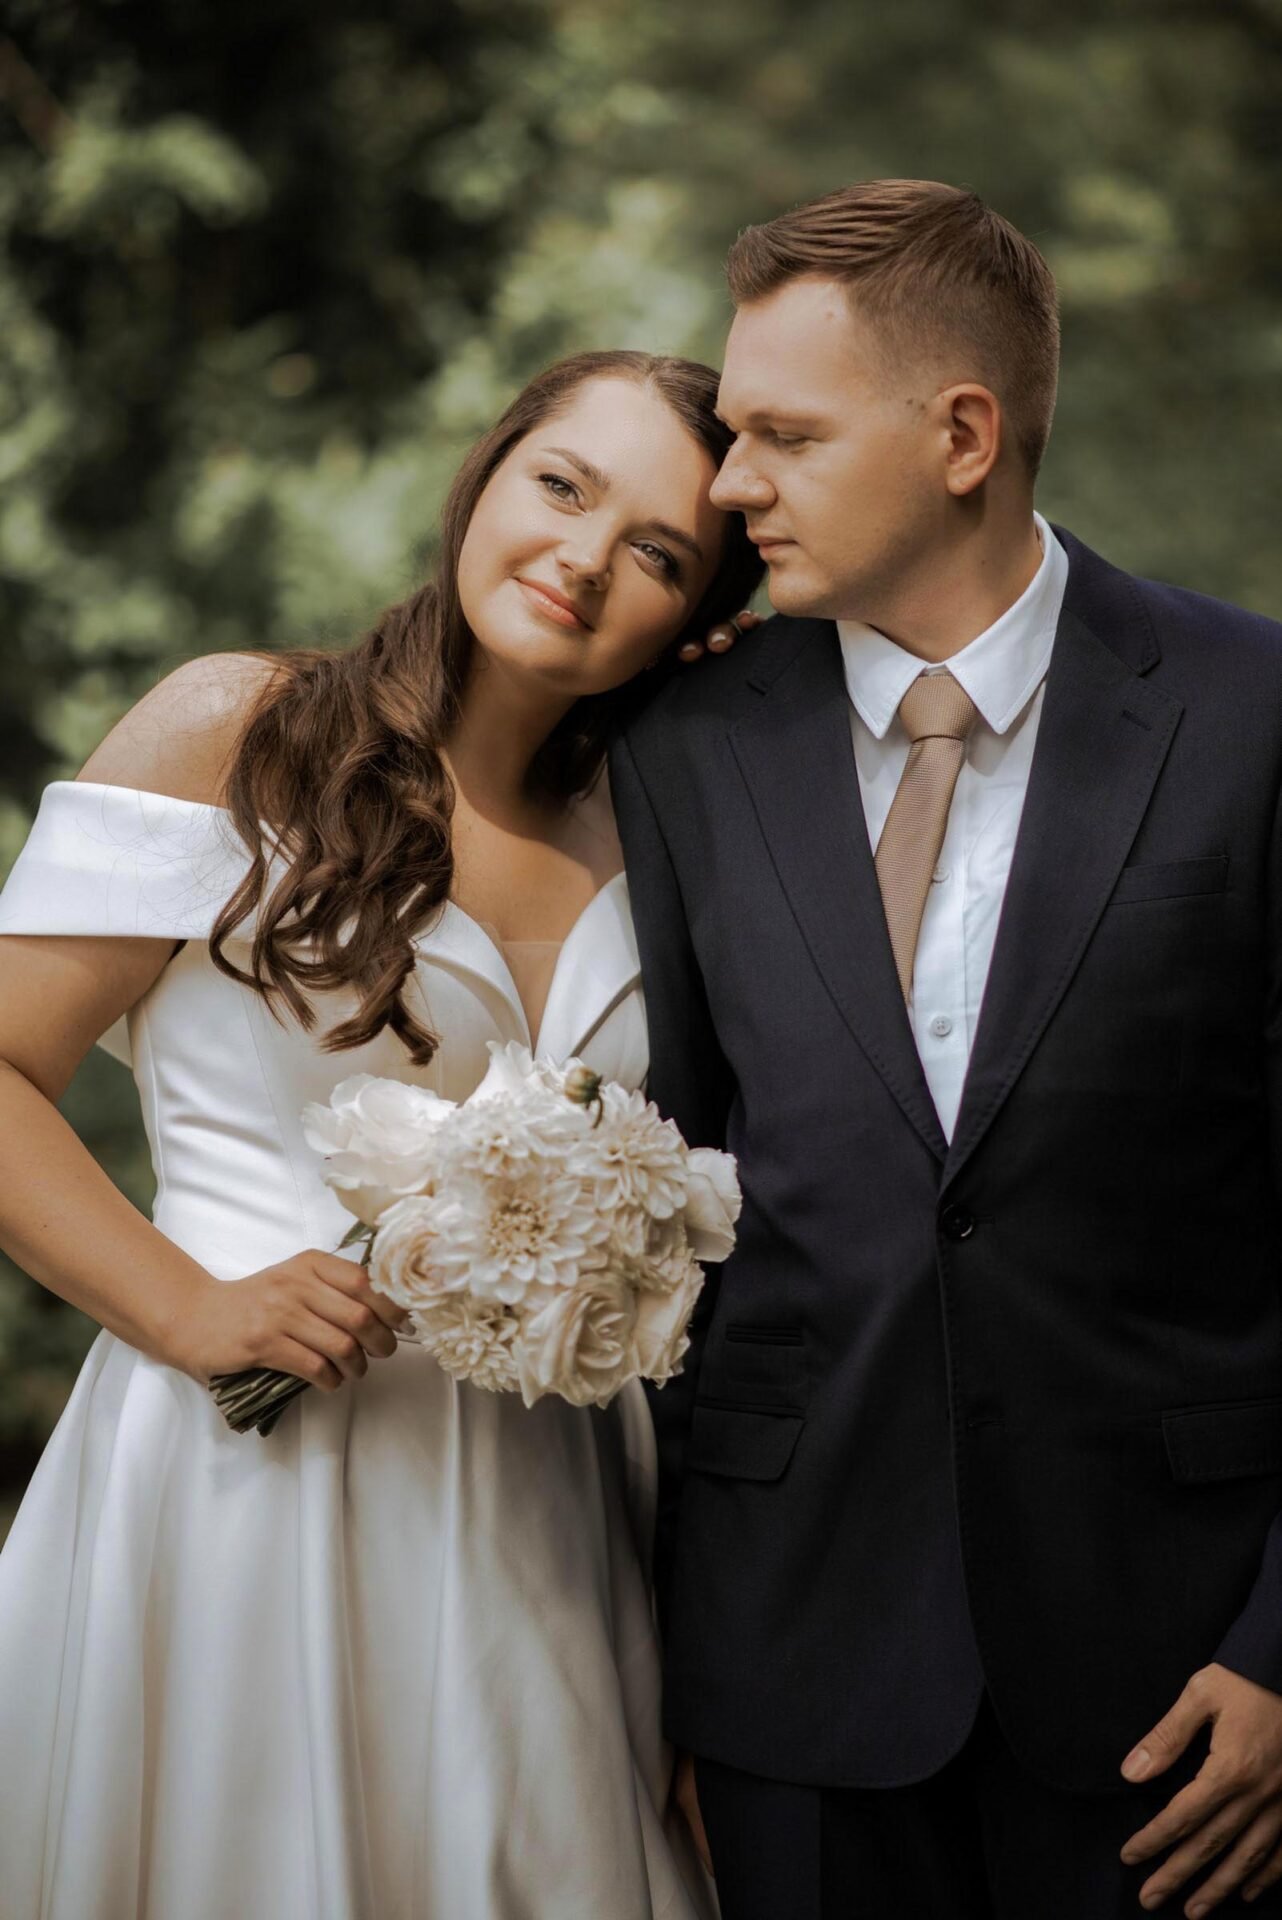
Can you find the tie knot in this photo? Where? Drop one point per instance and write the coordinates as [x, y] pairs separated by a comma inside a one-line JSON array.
[[937, 707]]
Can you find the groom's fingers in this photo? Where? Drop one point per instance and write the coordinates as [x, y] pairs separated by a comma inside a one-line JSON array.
[[1187, 1813], [1248, 1857], [1168, 1739]]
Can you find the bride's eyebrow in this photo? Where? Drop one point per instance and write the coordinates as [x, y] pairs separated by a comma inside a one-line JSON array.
[[601, 481]]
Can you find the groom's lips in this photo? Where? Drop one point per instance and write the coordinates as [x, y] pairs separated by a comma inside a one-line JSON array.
[[767, 542]]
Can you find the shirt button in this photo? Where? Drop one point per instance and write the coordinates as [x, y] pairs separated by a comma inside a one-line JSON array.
[[939, 876], [941, 1026]]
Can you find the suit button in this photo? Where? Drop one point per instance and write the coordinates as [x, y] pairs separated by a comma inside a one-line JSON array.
[[957, 1223]]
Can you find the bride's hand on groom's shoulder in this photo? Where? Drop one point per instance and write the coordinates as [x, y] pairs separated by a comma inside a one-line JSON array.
[[1231, 1812], [315, 1316], [719, 639]]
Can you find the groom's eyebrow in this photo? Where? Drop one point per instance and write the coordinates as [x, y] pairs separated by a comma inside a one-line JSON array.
[[771, 417], [601, 481]]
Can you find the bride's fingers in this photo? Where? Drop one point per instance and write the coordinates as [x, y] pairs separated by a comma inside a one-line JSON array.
[[354, 1282], [378, 1303], [355, 1316], [721, 639], [304, 1364], [333, 1343]]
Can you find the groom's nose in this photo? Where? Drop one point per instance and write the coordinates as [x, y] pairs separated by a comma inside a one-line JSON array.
[[738, 487]]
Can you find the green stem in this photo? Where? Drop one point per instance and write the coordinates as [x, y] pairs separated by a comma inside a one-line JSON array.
[[255, 1397]]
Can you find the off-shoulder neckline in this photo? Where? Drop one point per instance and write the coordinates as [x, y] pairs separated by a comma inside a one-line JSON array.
[[210, 806], [144, 793]]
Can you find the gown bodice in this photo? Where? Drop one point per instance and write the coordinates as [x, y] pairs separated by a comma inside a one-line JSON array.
[[222, 1080]]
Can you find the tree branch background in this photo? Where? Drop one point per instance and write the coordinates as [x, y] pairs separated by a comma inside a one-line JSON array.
[[271, 266]]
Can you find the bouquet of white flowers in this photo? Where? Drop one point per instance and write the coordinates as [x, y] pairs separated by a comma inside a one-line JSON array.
[[544, 1236]]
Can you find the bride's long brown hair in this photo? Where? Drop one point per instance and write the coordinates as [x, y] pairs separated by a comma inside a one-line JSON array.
[[341, 755]]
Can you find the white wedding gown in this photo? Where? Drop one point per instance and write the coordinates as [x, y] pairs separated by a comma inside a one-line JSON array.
[[396, 1661]]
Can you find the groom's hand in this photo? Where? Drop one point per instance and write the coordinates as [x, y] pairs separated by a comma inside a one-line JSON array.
[[720, 639], [1231, 1810]]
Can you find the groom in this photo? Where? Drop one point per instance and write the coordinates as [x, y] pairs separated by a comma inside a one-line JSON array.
[[959, 897]]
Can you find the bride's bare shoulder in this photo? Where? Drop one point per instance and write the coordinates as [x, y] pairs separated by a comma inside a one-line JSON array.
[[180, 738]]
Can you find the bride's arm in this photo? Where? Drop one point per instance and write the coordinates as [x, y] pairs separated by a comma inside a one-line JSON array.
[[61, 1218]]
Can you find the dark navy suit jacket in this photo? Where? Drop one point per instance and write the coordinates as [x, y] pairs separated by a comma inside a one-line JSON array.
[[1005, 1412]]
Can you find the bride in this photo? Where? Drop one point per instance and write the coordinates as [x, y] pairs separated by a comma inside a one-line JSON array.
[[395, 1661]]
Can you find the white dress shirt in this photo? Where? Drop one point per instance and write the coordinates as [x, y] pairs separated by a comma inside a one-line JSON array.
[[1004, 672]]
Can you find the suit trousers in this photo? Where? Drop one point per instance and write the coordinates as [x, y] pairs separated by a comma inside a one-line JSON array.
[[980, 1840]]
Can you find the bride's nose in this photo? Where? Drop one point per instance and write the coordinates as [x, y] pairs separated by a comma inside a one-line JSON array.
[[587, 561]]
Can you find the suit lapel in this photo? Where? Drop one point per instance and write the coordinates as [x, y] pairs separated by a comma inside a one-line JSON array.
[[797, 759], [1102, 739]]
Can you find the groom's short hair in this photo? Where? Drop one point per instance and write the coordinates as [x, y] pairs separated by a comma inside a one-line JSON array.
[[932, 267]]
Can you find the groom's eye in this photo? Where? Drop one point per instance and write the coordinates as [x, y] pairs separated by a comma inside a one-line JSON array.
[[789, 440]]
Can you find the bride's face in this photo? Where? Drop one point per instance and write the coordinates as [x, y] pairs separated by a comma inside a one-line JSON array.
[[593, 542]]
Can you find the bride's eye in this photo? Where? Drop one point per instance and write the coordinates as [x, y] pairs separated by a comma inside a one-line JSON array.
[[559, 487], [661, 558]]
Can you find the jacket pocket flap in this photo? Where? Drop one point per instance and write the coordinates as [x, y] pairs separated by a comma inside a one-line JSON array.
[[1168, 879], [1224, 1443], [742, 1443]]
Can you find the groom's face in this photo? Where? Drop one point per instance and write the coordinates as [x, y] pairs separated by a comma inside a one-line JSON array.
[[837, 462]]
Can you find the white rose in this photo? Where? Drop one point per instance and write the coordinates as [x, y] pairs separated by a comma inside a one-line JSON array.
[[578, 1344], [513, 1072], [651, 1255], [378, 1140], [713, 1203], [661, 1335], [402, 1263]]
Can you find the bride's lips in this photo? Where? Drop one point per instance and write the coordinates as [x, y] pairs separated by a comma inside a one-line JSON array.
[[554, 605]]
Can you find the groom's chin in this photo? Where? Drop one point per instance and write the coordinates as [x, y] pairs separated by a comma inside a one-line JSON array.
[[804, 600]]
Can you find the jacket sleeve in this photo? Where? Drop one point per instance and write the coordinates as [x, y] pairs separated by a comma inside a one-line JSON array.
[[690, 1083], [1253, 1644]]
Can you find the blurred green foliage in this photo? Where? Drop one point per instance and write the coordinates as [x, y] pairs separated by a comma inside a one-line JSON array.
[[269, 267]]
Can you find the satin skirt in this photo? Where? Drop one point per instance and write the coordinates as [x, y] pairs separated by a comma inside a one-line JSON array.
[[394, 1662]]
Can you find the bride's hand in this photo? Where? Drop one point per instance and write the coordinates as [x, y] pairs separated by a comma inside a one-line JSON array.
[[315, 1316], [720, 639], [686, 1795]]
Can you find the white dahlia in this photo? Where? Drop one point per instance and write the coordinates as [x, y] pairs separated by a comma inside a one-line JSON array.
[[471, 1339], [637, 1159], [501, 1232]]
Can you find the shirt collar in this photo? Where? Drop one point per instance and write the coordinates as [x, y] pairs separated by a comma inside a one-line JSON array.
[[1001, 669]]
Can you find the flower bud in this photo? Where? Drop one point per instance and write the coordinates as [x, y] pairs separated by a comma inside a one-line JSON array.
[[583, 1087]]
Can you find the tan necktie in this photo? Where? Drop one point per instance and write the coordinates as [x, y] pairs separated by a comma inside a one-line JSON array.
[[938, 714]]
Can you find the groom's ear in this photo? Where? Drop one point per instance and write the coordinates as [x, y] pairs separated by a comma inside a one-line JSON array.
[[972, 424]]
